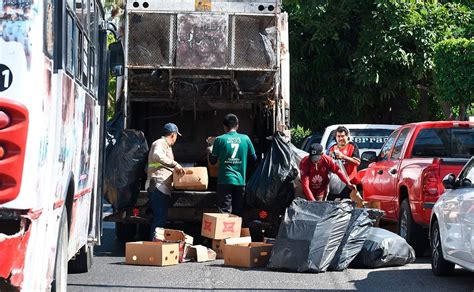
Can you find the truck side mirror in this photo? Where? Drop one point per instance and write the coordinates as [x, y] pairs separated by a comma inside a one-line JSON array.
[[449, 181], [369, 156], [116, 59]]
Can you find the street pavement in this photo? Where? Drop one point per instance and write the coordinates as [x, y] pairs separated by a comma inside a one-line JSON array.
[[110, 273]]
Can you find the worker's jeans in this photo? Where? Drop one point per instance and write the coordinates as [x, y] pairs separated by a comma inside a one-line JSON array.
[[230, 198], [159, 204]]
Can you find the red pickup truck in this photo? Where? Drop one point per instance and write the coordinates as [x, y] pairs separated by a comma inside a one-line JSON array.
[[406, 177]]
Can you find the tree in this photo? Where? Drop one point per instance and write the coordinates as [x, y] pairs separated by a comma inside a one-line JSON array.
[[454, 63], [368, 61]]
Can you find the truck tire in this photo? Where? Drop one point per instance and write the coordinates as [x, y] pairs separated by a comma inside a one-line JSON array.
[[439, 265], [413, 233], [60, 264], [82, 261], [125, 232]]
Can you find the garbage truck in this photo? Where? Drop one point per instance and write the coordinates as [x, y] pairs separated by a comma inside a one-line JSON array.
[[191, 63]]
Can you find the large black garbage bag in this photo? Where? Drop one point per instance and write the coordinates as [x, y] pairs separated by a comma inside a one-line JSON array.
[[383, 248], [271, 185], [309, 235], [356, 233], [124, 166]]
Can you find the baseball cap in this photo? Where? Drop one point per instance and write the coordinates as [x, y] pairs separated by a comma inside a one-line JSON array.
[[170, 128], [315, 151]]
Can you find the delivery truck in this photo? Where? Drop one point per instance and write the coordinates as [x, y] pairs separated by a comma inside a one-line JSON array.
[[190, 63]]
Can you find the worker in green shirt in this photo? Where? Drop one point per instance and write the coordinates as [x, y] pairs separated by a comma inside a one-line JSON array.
[[231, 150]]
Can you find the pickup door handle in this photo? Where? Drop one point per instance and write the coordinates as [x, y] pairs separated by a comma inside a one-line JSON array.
[[393, 171], [379, 171]]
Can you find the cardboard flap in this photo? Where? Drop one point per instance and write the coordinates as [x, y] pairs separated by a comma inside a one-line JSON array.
[[172, 235], [200, 253], [237, 240]]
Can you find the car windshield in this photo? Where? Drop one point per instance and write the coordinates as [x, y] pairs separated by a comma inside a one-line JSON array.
[[365, 138], [444, 142]]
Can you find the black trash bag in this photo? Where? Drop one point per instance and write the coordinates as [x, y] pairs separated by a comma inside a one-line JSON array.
[[309, 235], [271, 185], [124, 166], [356, 233], [113, 133], [383, 248]]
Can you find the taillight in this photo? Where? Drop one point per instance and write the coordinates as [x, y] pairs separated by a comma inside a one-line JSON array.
[[136, 212], [262, 214], [430, 181], [13, 135], [4, 120]]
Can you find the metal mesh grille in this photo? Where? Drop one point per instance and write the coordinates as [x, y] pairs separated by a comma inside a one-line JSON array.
[[251, 41], [149, 39], [255, 40]]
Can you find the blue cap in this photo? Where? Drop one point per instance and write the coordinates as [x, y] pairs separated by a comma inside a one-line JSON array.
[[170, 128]]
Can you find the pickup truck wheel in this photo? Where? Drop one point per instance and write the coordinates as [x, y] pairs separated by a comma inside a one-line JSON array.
[[125, 232], [439, 265], [413, 233]]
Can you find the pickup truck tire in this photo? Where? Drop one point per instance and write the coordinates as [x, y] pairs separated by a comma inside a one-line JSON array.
[[413, 233], [125, 232], [439, 265]]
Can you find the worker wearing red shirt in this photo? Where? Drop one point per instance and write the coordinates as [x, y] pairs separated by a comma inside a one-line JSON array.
[[346, 151], [315, 169]]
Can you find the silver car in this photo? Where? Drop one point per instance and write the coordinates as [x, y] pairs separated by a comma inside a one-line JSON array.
[[452, 223]]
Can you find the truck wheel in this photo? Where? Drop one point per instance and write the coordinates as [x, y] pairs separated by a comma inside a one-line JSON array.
[[439, 265], [82, 262], [413, 233], [125, 232], [60, 267]]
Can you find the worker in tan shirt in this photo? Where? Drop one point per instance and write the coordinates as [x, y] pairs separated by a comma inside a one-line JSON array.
[[161, 165]]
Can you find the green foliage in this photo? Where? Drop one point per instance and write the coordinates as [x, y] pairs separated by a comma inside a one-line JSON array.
[[298, 134], [111, 89], [368, 61], [454, 60]]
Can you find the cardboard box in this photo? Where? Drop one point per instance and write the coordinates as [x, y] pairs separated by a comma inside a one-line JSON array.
[[247, 255], [220, 225], [244, 232], [149, 253], [195, 179], [218, 245], [172, 235], [175, 236], [200, 253]]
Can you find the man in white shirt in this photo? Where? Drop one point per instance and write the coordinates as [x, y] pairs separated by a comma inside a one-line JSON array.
[[161, 165]]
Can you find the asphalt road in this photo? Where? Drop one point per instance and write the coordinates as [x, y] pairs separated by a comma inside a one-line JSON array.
[[110, 273]]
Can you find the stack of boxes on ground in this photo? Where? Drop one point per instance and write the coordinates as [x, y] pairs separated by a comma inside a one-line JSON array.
[[232, 242]]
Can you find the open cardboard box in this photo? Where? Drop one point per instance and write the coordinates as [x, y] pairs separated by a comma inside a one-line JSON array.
[[200, 253], [194, 179], [175, 236], [150, 253], [247, 255]]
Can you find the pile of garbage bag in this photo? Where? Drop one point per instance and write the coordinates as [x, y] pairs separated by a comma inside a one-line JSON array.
[[320, 236]]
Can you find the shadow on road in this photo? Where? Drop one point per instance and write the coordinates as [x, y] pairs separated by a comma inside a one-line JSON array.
[[379, 280]]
